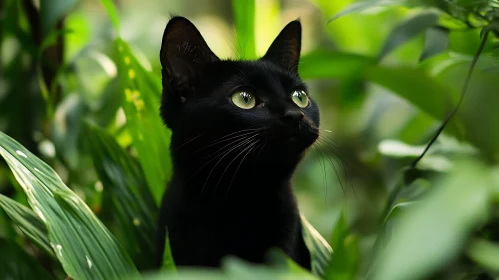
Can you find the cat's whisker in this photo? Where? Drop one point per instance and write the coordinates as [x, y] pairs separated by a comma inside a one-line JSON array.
[[320, 144], [242, 134], [330, 144], [188, 141], [250, 146], [261, 149], [217, 153], [237, 169], [222, 151], [324, 175], [244, 142]]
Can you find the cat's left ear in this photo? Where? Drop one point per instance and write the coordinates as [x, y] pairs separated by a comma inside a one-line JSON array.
[[183, 52], [285, 50]]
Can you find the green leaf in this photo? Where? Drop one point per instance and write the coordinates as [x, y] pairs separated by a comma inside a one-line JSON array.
[[407, 30], [132, 202], [364, 5], [344, 261], [232, 268], [83, 245], [244, 17], [320, 250], [413, 85], [28, 222], [436, 41], [416, 248], [51, 11], [151, 138], [168, 261], [324, 64], [113, 14], [15, 263], [485, 253]]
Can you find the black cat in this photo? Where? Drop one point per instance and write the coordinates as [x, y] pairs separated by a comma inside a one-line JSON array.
[[239, 129]]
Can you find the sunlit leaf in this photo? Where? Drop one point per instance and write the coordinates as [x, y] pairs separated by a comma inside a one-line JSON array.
[[364, 5], [244, 17], [15, 263], [320, 250], [133, 205], [85, 248], [407, 30], [436, 41], [28, 222], [151, 138], [454, 206], [113, 14]]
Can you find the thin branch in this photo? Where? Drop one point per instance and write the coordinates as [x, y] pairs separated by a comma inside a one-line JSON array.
[[463, 92]]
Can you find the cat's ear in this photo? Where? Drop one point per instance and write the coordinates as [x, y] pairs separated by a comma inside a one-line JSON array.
[[183, 51], [285, 50]]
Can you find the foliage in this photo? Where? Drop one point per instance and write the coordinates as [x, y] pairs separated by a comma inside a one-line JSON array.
[[86, 153]]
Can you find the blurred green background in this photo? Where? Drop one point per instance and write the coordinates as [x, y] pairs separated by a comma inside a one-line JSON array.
[[384, 75]]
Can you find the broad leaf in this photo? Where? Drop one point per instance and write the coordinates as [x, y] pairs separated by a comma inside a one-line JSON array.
[[436, 41], [141, 103], [15, 263], [83, 245], [132, 203], [485, 253], [244, 17], [320, 250], [413, 85], [28, 222], [416, 249], [408, 30], [331, 64]]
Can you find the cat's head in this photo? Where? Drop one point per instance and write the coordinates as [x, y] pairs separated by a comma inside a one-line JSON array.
[[263, 102]]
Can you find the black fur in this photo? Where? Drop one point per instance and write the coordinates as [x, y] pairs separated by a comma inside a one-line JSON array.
[[241, 202]]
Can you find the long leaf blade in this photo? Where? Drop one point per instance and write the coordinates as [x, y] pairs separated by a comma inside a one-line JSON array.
[[141, 106], [132, 202], [28, 222], [83, 245], [320, 250]]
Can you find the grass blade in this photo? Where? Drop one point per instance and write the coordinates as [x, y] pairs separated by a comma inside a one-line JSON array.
[[244, 16]]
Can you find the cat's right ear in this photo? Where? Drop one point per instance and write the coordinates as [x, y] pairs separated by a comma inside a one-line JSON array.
[[183, 54]]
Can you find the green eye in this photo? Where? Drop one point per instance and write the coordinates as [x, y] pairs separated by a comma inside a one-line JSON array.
[[243, 99], [300, 98]]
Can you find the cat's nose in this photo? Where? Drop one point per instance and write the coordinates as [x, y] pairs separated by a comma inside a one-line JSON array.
[[292, 116]]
